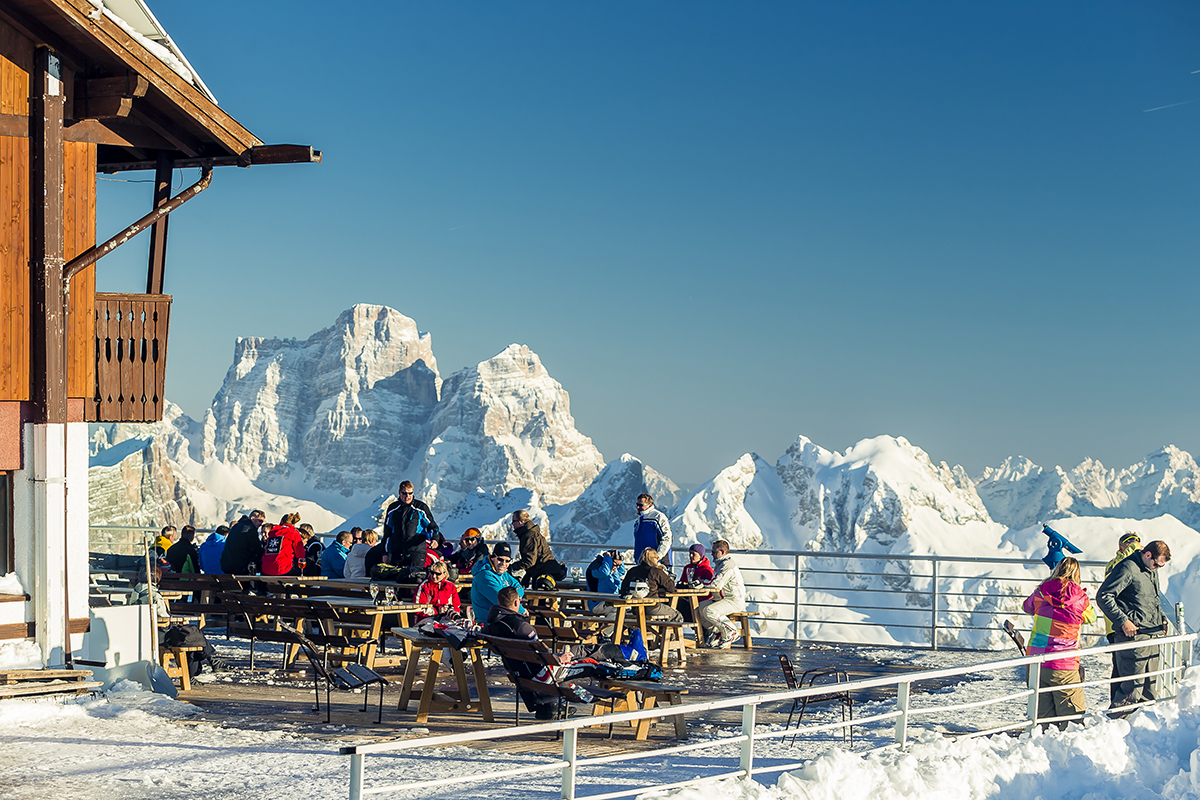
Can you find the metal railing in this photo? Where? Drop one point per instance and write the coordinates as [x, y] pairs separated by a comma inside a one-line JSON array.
[[1174, 652], [910, 600]]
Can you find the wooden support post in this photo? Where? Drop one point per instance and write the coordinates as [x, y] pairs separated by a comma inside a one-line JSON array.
[[158, 233], [49, 367]]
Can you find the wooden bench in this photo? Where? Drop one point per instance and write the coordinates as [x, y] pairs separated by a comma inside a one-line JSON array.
[[743, 618], [538, 655], [652, 695], [669, 638], [204, 590], [174, 662]]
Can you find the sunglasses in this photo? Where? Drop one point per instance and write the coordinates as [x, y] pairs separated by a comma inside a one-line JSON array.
[[502, 559]]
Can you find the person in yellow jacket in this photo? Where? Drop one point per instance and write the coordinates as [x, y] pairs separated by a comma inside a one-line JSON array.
[[1129, 543]]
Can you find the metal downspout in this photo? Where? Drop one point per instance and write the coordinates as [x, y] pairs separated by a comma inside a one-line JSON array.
[[94, 254]]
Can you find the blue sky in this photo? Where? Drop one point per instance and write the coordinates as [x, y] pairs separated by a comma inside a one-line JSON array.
[[721, 224]]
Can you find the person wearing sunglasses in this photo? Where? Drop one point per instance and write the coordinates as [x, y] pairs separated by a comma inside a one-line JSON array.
[[408, 527], [489, 576]]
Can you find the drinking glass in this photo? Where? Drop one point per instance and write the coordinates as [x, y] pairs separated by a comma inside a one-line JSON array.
[[389, 592], [373, 590]]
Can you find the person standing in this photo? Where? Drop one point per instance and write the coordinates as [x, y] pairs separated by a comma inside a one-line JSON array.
[[537, 559], [183, 556], [1059, 607], [651, 530], [333, 560], [243, 548], [729, 596], [211, 550], [489, 576], [1129, 597], [1129, 543], [408, 527], [284, 548]]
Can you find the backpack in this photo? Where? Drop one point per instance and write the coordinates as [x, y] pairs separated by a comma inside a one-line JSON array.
[[387, 572]]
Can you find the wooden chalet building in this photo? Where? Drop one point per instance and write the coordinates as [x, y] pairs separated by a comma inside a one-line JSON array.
[[84, 90]]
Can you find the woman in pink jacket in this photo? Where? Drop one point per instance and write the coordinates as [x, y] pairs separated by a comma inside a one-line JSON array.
[[1059, 607]]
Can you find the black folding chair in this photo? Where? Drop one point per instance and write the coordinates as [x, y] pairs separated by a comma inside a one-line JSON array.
[[817, 677], [350, 677]]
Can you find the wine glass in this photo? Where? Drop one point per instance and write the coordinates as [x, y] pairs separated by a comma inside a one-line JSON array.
[[373, 590], [389, 593]]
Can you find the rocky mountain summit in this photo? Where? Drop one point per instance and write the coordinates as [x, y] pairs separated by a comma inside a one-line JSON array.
[[338, 419], [1019, 493]]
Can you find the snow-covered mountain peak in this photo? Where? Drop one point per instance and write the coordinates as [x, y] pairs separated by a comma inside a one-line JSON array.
[[515, 421]]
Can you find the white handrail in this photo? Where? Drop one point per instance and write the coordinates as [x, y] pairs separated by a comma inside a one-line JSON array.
[[570, 764]]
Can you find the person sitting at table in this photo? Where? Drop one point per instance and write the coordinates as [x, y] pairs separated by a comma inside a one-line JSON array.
[[312, 550], [437, 592], [659, 582], [579, 660], [471, 548], [333, 559], [211, 550], [284, 548], [356, 562], [605, 574], [489, 577], [698, 568], [729, 596], [184, 557], [537, 559], [145, 592]]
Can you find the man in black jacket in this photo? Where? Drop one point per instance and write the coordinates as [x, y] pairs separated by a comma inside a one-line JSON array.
[[408, 526], [1129, 597], [243, 547]]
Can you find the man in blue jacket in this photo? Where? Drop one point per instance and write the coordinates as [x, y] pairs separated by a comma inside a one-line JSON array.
[[333, 558], [651, 530], [489, 576], [211, 549]]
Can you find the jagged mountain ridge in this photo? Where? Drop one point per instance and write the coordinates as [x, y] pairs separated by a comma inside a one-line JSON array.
[[340, 418], [1019, 493]]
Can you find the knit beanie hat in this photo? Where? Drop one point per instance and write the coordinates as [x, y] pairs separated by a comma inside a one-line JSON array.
[[1128, 539], [697, 548]]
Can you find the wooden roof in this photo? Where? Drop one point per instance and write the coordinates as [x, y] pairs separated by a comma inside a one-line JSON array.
[[163, 112]]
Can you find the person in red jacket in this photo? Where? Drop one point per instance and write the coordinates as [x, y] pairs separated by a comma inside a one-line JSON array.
[[284, 548], [438, 592], [698, 568]]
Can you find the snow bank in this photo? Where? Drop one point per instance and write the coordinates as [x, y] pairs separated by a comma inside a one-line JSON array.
[[1153, 755]]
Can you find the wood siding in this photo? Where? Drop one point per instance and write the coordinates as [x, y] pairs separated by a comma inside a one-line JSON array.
[[79, 233]]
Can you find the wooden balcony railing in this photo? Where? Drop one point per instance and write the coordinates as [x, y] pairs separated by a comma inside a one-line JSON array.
[[131, 357]]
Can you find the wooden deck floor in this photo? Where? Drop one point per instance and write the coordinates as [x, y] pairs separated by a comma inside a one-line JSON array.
[[268, 699]]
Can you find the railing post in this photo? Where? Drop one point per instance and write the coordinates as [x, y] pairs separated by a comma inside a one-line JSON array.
[[1033, 673], [748, 712], [1181, 628], [570, 737], [933, 590], [356, 776], [902, 707], [796, 605]]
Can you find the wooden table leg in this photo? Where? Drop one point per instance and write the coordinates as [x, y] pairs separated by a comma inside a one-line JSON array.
[[675, 699], [410, 674], [481, 686], [619, 625], [643, 725], [460, 676], [431, 672]]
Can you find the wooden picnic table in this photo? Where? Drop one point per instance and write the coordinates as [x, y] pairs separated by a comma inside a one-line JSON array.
[[376, 614], [458, 699], [622, 605]]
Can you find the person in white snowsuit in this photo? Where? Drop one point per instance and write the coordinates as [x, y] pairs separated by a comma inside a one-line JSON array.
[[729, 597]]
